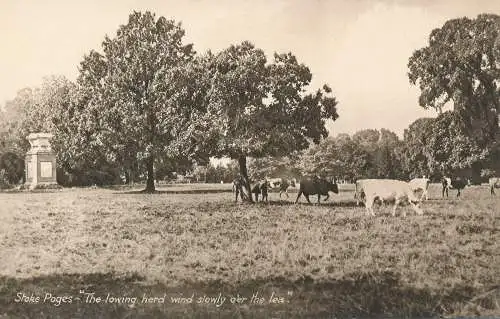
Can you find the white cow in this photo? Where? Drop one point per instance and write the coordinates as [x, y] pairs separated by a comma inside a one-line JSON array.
[[422, 184], [494, 183], [389, 189]]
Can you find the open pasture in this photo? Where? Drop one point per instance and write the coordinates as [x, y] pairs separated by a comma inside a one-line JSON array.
[[323, 261]]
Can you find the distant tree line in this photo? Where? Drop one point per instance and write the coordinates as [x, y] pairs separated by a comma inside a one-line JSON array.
[[147, 105]]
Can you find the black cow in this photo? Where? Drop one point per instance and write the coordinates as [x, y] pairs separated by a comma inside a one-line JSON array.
[[260, 188], [238, 183], [315, 185], [456, 182]]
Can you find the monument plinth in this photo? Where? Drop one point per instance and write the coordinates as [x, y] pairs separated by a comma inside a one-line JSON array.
[[40, 162]]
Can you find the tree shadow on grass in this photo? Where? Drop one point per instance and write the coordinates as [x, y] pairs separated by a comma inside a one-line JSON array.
[[331, 203], [360, 295], [181, 191]]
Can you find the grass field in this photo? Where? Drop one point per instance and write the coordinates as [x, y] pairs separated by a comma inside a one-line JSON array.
[[305, 261]]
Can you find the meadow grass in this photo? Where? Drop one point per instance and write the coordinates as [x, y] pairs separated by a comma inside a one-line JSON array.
[[322, 261]]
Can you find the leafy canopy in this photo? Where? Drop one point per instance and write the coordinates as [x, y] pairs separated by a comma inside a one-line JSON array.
[[258, 109], [135, 99], [461, 65]]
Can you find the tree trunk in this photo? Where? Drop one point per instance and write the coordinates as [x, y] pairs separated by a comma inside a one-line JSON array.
[[127, 176], [242, 161], [150, 183]]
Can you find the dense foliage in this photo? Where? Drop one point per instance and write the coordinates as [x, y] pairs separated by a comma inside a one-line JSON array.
[[461, 66], [148, 106]]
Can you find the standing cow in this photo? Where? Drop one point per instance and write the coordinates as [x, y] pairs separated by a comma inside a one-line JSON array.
[[420, 184], [281, 184], [316, 186], [260, 188], [494, 182], [388, 190], [238, 183], [456, 183]]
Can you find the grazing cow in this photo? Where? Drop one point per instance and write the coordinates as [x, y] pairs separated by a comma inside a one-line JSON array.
[[315, 185], [281, 184], [359, 194], [387, 190], [494, 183], [457, 183], [260, 188], [422, 184]]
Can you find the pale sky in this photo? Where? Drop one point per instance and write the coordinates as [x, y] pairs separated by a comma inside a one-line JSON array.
[[359, 47]]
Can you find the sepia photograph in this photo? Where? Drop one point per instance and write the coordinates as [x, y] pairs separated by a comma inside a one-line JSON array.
[[250, 159]]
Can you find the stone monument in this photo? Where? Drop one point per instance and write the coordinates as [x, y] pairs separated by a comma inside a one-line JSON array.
[[40, 162]]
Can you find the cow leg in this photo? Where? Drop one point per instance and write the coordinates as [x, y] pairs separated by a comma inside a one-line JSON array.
[[396, 203], [237, 192], [369, 206], [492, 191], [458, 193], [319, 197], [307, 197], [424, 195], [298, 195], [445, 190], [327, 196]]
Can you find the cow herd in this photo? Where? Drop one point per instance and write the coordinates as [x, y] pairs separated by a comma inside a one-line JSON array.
[[369, 191]]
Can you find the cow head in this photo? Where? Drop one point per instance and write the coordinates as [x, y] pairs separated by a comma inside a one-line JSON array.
[[416, 206], [332, 186]]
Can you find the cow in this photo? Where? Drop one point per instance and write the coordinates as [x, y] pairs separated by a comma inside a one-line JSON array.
[[422, 184], [238, 183], [457, 183], [260, 188], [315, 185], [494, 182], [281, 184], [387, 190]]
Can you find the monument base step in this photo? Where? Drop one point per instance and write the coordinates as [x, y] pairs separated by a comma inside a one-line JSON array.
[[40, 186]]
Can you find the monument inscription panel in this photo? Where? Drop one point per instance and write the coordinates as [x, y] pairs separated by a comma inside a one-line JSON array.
[[46, 169]]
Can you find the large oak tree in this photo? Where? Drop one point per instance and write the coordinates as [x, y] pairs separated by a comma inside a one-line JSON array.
[[461, 64], [137, 95], [256, 109]]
